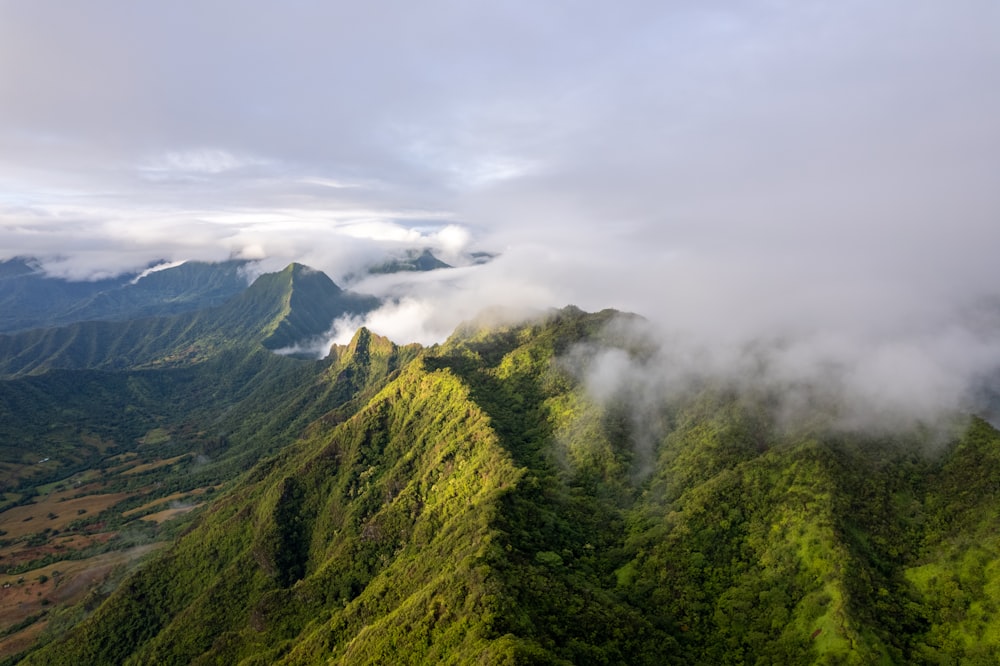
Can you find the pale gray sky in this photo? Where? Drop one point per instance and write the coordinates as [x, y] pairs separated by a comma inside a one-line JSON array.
[[731, 169]]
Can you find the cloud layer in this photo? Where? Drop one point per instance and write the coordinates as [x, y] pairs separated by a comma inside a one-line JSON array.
[[818, 175]]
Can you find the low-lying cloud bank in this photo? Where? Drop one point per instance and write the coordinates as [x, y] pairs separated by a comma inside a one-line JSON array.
[[813, 183], [867, 352]]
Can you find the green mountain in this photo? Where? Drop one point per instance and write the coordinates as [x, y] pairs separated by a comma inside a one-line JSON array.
[[29, 299], [77, 396], [277, 310], [472, 503]]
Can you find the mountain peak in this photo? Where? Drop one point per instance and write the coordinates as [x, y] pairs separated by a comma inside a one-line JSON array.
[[412, 261], [297, 303], [18, 266], [367, 361], [363, 345], [295, 269]]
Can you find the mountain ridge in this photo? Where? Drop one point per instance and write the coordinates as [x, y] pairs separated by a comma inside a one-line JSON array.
[[473, 501], [485, 458], [29, 299], [269, 312]]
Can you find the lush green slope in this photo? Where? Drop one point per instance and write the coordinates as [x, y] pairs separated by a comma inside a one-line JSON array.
[[335, 501], [471, 503], [407, 533], [276, 310], [143, 439], [234, 407], [956, 573]]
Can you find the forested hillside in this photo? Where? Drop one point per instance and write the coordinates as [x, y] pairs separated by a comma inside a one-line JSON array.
[[476, 502], [114, 434]]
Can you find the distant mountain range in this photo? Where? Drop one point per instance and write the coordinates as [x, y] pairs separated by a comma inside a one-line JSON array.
[[175, 493], [31, 299], [412, 261], [277, 310]]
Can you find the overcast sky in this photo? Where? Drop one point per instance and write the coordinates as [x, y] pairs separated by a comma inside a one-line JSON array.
[[827, 170]]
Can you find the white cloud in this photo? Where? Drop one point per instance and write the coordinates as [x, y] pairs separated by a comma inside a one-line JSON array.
[[204, 161], [331, 183], [381, 230], [451, 243], [406, 320], [158, 267], [818, 173]]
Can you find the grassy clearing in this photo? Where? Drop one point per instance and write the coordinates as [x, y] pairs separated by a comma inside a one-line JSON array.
[[157, 464], [175, 497], [154, 437], [167, 514]]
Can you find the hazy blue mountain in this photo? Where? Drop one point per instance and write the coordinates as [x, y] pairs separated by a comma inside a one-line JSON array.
[[277, 310], [30, 299], [16, 266], [191, 286], [413, 260]]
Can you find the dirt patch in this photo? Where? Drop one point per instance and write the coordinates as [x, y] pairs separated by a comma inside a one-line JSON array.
[[145, 467], [22, 640], [164, 500], [18, 553], [56, 585], [167, 514], [49, 513]]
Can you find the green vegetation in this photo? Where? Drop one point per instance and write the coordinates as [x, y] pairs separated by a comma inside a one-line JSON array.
[[473, 503]]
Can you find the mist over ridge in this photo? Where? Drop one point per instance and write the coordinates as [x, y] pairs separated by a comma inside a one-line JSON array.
[[798, 192]]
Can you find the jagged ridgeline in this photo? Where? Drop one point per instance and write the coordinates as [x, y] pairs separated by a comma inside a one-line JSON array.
[[277, 310], [470, 503], [68, 394]]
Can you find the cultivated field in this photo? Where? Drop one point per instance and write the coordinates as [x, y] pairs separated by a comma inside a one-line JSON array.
[[65, 543], [37, 593]]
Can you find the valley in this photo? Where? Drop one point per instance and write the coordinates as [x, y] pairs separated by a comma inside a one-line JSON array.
[[475, 500], [499, 333], [70, 541]]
